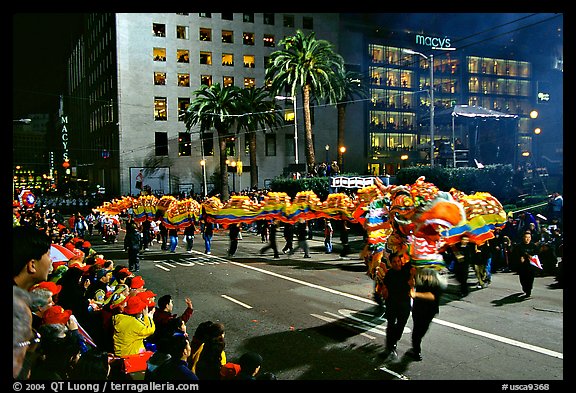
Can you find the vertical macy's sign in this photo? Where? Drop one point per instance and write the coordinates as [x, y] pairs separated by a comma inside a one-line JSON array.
[[64, 120]]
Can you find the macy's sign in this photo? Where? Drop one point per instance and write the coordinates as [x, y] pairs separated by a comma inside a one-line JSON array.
[[434, 42]]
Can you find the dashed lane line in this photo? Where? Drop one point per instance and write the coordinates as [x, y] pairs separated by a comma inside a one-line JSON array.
[[236, 301]]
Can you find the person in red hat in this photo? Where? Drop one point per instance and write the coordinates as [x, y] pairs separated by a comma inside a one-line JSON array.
[[49, 285], [132, 327], [43, 295], [56, 314], [120, 274], [148, 297], [61, 345], [136, 285]]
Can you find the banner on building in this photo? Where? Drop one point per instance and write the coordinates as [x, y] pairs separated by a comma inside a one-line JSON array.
[[148, 180]]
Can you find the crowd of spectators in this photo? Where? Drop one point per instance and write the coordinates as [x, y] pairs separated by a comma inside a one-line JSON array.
[[88, 313], [86, 317]]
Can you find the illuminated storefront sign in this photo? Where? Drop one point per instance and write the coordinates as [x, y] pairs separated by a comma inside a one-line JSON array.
[[433, 42], [64, 120]]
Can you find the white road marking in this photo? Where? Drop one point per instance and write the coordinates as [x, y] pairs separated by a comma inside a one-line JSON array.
[[161, 267], [236, 301], [348, 314], [397, 375], [505, 340], [436, 320], [187, 263]]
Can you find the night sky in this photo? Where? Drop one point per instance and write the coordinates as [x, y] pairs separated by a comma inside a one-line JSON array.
[[41, 44]]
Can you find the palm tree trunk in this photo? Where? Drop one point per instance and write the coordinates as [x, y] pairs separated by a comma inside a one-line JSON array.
[[225, 194], [310, 157], [341, 120], [253, 160]]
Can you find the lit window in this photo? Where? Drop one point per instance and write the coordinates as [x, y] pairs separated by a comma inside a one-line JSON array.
[[183, 104], [249, 82], [227, 37], [228, 81], [269, 40], [160, 109], [184, 144], [205, 15], [183, 55], [159, 29], [249, 61], [159, 78], [227, 59], [159, 54], [206, 80], [206, 58], [205, 34], [182, 32], [248, 38], [184, 80]]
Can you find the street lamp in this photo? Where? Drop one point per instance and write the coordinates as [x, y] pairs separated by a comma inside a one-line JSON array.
[[203, 164], [341, 163], [233, 165], [327, 147], [431, 63], [293, 98], [404, 157]]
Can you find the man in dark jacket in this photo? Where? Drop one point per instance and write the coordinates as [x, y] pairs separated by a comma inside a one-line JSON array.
[[132, 243], [163, 314]]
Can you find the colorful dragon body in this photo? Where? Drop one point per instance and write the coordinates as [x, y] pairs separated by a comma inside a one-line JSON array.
[[418, 220]]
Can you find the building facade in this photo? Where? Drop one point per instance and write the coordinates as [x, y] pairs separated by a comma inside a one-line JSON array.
[[132, 76], [140, 71], [397, 118]]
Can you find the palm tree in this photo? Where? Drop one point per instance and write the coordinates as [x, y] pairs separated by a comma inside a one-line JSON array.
[[215, 107], [352, 85], [256, 111], [307, 65]]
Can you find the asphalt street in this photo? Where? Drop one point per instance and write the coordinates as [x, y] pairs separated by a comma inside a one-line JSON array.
[[314, 319]]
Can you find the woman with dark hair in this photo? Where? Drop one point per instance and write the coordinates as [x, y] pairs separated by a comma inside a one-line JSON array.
[[71, 296], [198, 338], [212, 356], [92, 365]]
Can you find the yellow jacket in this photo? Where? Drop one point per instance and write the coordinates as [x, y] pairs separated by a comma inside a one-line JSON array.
[[129, 334]]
